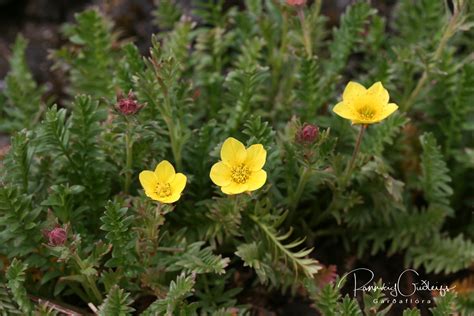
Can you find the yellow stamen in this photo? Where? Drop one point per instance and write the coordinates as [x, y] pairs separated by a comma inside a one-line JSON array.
[[367, 112], [240, 173], [163, 190]]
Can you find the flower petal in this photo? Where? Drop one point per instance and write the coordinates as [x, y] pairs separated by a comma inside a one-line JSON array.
[[165, 172], [256, 156], [148, 180], [256, 180], [178, 183], [233, 151], [344, 110], [170, 199], [386, 111], [234, 188], [378, 94], [152, 195], [353, 91], [220, 174]]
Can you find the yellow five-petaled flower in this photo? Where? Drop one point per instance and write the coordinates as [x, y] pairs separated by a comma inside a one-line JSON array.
[[365, 106], [240, 169], [163, 184]]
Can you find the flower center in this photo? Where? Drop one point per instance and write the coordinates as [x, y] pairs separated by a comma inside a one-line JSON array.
[[240, 173], [367, 112], [163, 190]]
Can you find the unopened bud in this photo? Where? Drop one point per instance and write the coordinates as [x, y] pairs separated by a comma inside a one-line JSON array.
[[307, 134], [128, 105], [57, 236]]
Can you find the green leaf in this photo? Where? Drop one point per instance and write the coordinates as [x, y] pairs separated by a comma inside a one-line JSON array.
[[116, 303]]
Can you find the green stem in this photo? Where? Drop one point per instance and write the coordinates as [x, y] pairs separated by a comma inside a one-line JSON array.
[[129, 158], [90, 282], [173, 130], [350, 166], [305, 175], [306, 32]]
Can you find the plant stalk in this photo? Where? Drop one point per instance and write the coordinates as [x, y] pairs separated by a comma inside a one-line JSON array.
[[306, 32], [129, 158], [350, 166], [305, 175], [90, 282]]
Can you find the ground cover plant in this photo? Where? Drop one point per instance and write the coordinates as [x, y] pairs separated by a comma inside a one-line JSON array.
[[252, 157]]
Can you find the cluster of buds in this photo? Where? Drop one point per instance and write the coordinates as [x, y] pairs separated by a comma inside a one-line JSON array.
[[307, 134], [127, 105], [56, 236]]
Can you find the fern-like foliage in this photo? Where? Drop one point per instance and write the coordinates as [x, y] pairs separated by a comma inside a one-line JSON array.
[[244, 90], [18, 161], [91, 61], [166, 14], [440, 254], [19, 222], [346, 36], [175, 301], [435, 174], [196, 259], [425, 16], [308, 86], [85, 151], [281, 249], [117, 303], [445, 305], [54, 135], [22, 105], [118, 225], [329, 301], [8, 306], [16, 279], [383, 135]]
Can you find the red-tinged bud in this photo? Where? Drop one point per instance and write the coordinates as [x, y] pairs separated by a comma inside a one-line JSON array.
[[57, 236], [296, 3], [327, 275], [307, 134], [127, 105], [196, 94]]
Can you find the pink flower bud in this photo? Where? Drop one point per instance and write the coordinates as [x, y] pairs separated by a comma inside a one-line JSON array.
[[57, 236], [296, 3], [127, 105], [327, 275], [307, 134]]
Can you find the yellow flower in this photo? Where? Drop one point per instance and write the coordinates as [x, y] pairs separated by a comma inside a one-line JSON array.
[[365, 106], [240, 169], [164, 184]]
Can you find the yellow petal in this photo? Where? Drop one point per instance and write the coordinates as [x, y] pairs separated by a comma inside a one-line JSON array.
[[234, 188], [178, 183], [344, 110], [220, 174], [148, 180], [165, 172], [152, 195], [170, 199], [257, 180], [378, 94], [256, 156], [386, 111], [353, 91], [233, 152]]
